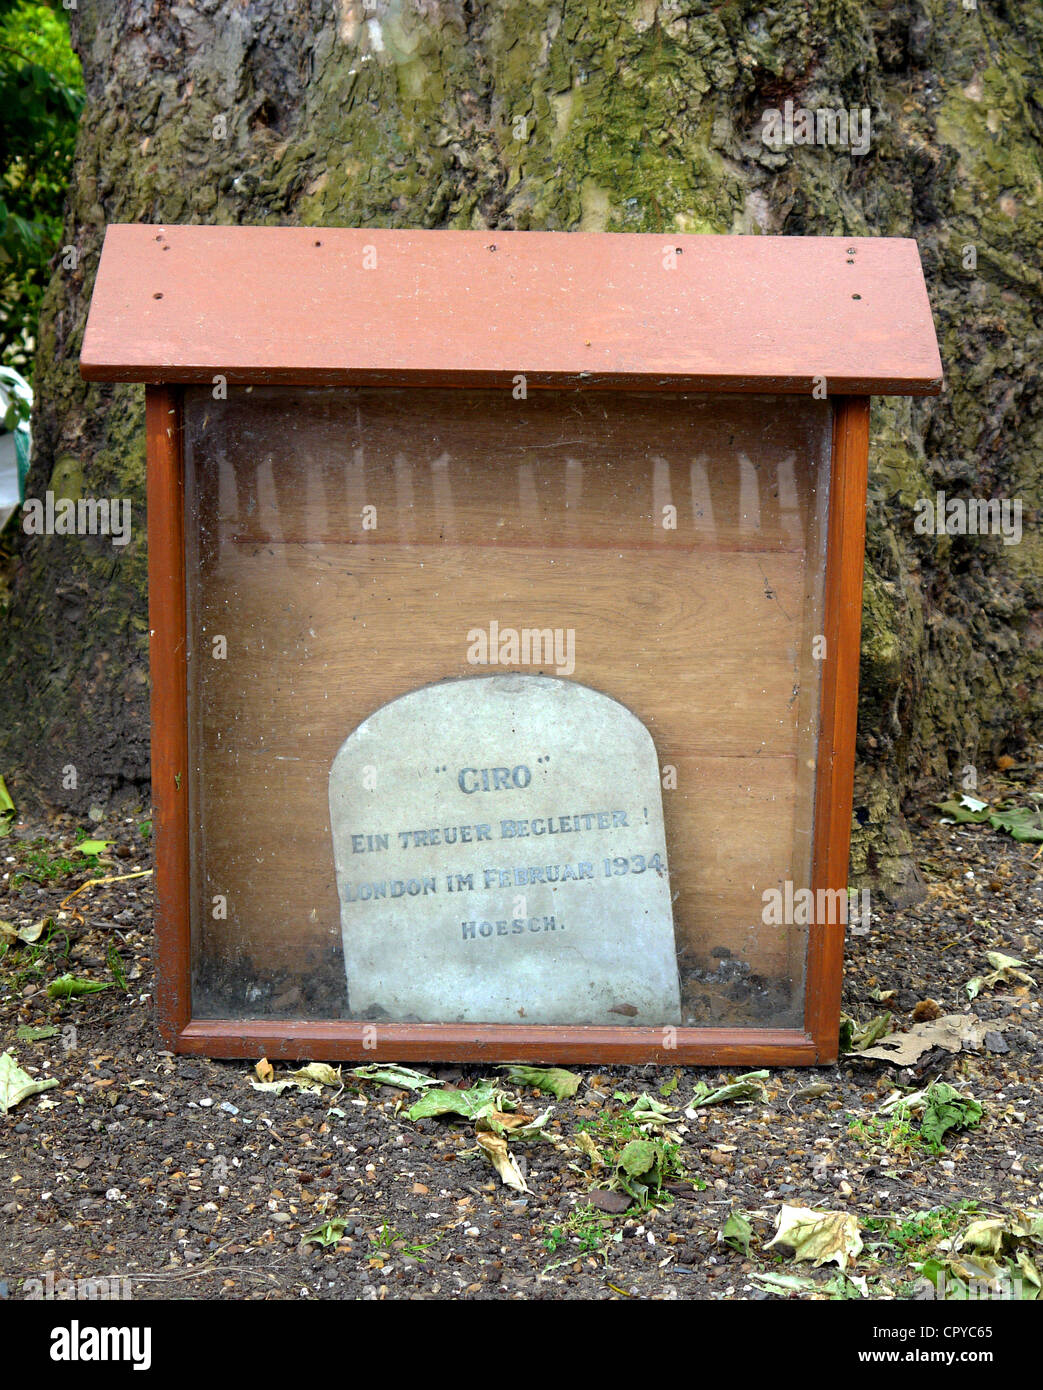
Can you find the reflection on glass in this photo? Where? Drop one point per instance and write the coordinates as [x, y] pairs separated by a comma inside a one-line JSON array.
[[345, 542]]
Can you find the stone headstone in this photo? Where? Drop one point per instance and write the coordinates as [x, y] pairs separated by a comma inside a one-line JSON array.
[[500, 858]]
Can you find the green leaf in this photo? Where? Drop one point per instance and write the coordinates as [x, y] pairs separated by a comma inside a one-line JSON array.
[[16, 1084], [328, 1233], [967, 811], [737, 1232], [743, 1088], [945, 1109], [93, 846], [784, 1283], [982, 1263], [391, 1074], [638, 1157], [846, 1286], [854, 1036], [1003, 963], [643, 1166], [477, 1103], [1024, 823], [934, 1270], [554, 1080], [988, 1235], [1032, 1277], [26, 1033], [7, 809], [838, 1289], [69, 987], [649, 1113]]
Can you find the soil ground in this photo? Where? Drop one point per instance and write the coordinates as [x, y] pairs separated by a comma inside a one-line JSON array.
[[179, 1176]]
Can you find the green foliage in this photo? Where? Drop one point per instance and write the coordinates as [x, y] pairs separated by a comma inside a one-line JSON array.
[[895, 1132], [477, 1103], [115, 963], [588, 1227], [1024, 823], [7, 809], [72, 987], [855, 1036], [40, 867], [641, 1166], [554, 1080], [747, 1087], [41, 96], [328, 1232], [737, 1232], [611, 1129], [947, 1109], [33, 961], [394, 1241], [915, 1237], [939, 1108]]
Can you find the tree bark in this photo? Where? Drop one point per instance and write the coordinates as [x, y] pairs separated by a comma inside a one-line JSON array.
[[638, 117]]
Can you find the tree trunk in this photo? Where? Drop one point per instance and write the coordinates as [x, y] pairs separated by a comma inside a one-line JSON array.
[[638, 117]]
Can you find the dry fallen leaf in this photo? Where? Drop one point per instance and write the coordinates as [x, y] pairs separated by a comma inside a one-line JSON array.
[[1004, 968], [508, 1121], [315, 1075], [954, 1032], [27, 934], [16, 1084], [265, 1071], [496, 1148], [588, 1146], [820, 1236]]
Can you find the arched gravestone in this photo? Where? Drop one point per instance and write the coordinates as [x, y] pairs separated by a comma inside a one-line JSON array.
[[500, 858]]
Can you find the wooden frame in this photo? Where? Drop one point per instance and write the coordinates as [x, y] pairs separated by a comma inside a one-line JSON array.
[[817, 1041], [340, 1039]]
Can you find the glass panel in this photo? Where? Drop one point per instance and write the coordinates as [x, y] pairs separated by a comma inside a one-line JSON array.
[[344, 548]]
